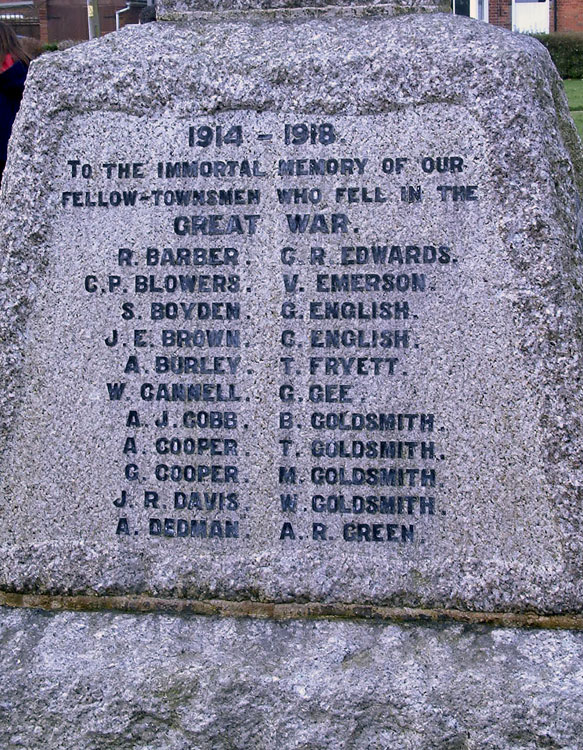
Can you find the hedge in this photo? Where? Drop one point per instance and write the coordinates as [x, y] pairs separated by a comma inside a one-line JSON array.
[[566, 51]]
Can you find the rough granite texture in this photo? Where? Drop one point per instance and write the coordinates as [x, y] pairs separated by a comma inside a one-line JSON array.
[[500, 337], [93, 682], [170, 9]]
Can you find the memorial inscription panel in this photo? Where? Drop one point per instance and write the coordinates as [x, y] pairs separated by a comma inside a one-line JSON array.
[[261, 326], [188, 348]]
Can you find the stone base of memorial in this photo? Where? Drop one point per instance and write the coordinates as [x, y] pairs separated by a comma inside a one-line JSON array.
[[290, 417]]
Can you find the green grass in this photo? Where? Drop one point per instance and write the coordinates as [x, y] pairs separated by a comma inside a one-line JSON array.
[[578, 117], [574, 89]]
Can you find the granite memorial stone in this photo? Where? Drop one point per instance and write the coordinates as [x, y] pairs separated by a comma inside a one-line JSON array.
[[291, 327], [292, 312], [108, 681]]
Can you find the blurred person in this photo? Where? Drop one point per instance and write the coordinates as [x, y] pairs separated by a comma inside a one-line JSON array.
[[13, 70]]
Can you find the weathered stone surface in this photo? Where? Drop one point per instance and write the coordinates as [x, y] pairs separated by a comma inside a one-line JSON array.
[[498, 334], [98, 681], [171, 9]]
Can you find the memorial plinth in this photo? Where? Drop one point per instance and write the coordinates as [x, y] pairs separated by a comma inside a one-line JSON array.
[[292, 314]]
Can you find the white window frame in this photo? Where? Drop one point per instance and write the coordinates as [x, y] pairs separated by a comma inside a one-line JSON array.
[[474, 9]]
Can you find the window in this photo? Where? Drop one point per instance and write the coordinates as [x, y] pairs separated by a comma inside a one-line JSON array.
[[461, 7], [471, 8]]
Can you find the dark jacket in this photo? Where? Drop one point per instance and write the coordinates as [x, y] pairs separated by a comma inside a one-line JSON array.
[[11, 88]]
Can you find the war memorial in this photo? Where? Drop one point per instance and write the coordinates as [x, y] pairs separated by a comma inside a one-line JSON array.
[[291, 334]]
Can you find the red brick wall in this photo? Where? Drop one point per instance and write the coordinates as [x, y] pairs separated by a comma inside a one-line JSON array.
[[570, 15], [41, 9], [67, 19], [500, 13]]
